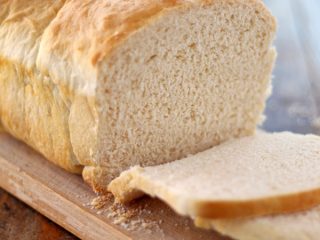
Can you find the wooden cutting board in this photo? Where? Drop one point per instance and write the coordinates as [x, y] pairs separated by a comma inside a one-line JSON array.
[[66, 199]]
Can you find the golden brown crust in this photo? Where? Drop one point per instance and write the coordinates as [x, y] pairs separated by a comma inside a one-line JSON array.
[[295, 226], [32, 107], [131, 185], [85, 33], [35, 114], [274, 205], [96, 177], [82, 125]]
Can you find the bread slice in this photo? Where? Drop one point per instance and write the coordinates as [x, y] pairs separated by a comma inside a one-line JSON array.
[[98, 86], [252, 176], [297, 226]]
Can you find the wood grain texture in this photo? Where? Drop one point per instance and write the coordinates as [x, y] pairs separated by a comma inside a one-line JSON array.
[[17, 221], [294, 106]]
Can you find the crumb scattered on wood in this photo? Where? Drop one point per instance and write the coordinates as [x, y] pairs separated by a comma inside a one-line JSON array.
[[132, 217], [101, 201]]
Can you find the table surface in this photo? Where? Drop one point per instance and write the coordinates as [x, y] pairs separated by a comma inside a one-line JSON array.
[[294, 106]]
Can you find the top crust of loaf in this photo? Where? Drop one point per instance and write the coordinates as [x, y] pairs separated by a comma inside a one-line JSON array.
[[22, 25], [84, 33]]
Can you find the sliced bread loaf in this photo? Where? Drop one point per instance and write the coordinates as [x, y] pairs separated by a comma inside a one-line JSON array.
[[98, 86], [251, 176], [297, 226]]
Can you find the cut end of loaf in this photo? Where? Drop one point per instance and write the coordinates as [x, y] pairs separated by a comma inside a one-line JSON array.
[[195, 76]]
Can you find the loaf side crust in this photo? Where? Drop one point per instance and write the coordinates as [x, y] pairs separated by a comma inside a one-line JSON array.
[[32, 107]]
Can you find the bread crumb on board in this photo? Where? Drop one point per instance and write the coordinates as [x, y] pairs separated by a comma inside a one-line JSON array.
[[146, 216], [131, 217], [101, 201]]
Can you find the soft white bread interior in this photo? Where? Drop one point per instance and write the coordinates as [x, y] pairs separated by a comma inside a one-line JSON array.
[[297, 226], [252, 176], [105, 85]]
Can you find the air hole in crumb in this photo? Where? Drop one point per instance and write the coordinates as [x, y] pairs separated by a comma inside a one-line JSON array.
[[172, 150], [135, 83], [193, 46], [181, 55], [193, 115], [252, 22], [151, 58]]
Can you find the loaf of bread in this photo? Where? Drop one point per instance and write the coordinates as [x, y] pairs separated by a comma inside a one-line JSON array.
[[251, 176], [297, 226], [98, 86]]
